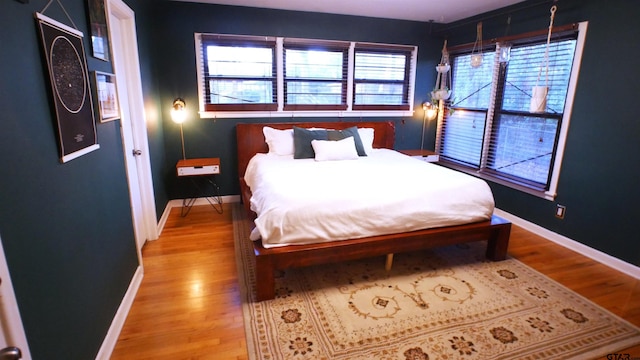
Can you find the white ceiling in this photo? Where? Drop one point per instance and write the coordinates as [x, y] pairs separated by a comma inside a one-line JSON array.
[[441, 11]]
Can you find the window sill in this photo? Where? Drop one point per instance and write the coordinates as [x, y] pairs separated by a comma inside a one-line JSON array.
[[547, 195], [298, 114]]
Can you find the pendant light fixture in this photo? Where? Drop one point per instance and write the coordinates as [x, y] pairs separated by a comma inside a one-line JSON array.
[[539, 92], [476, 53], [441, 91]]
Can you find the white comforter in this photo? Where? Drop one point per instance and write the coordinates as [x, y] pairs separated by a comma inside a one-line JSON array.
[[305, 201]]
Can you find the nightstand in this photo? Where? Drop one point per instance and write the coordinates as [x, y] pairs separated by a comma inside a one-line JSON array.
[[201, 174], [425, 155]]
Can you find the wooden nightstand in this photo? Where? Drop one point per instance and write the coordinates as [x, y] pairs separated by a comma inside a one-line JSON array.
[[201, 174], [425, 155]]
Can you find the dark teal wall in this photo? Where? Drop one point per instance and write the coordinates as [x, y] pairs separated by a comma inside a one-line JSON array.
[[175, 64], [600, 173], [66, 228], [597, 183]]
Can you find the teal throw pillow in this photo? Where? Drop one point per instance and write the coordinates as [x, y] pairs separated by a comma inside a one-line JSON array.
[[343, 134], [302, 148]]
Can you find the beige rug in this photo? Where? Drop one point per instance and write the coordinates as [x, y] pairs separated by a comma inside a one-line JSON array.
[[447, 303]]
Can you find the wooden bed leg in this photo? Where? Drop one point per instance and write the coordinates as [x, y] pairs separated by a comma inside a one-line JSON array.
[[265, 279], [389, 262], [499, 242]]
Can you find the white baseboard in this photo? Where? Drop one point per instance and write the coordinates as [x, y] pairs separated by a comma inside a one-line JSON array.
[[110, 340], [574, 245], [227, 199]]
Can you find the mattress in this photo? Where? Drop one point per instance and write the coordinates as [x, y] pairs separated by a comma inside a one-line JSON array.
[[303, 201]]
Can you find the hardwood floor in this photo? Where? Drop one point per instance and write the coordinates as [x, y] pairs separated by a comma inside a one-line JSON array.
[[188, 305]]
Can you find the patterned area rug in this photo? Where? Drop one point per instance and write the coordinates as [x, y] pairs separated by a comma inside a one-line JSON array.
[[447, 303]]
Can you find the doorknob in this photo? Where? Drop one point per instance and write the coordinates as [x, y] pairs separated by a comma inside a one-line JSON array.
[[10, 353], [137, 152]]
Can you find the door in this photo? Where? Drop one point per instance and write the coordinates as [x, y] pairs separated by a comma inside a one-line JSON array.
[[124, 48], [12, 336]]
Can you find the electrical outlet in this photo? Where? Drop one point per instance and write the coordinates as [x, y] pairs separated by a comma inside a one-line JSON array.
[[560, 211]]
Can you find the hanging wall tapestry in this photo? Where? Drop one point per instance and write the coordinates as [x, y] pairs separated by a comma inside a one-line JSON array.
[[67, 67]]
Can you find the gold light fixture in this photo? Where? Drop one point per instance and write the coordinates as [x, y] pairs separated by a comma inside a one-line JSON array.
[[179, 115], [430, 110], [430, 113]]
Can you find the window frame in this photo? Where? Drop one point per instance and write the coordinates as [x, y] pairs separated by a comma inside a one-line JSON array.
[[281, 109], [482, 171]]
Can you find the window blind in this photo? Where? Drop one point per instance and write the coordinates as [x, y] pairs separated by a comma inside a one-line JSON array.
[[239, 73], [491, 130], [315, 75], [381, 78], [464, 128], [522, 144]]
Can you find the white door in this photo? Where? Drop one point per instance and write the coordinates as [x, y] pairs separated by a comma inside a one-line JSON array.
[[11, 329], [124, 48]]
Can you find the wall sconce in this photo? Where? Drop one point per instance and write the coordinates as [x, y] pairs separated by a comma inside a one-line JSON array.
[[179, 115], [430, 110]]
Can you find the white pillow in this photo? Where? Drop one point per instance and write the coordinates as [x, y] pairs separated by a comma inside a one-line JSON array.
[[366, 136], [344, 149], [280, 141]]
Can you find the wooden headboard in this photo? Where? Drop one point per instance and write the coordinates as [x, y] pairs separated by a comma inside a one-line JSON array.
[[251, 139]]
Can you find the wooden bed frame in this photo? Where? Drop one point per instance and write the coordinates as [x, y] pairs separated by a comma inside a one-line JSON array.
[[251, 141]]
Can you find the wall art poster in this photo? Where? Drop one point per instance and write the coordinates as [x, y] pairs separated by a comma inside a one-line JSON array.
[[107, 96], [67, 67], [99, 30]]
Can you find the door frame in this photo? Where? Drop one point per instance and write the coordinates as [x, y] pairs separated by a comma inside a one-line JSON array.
[[148, 225], [11, 328], [130, 62]]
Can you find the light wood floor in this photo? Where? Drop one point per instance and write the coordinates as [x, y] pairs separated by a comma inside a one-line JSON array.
[[188, 306]]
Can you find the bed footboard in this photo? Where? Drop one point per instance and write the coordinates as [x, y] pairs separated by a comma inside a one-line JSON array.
[[496, 232]]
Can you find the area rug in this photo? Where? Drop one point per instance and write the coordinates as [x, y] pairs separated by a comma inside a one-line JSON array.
[[446, 303]]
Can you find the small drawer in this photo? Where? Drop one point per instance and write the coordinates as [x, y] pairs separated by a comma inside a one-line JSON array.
[[198, 170]]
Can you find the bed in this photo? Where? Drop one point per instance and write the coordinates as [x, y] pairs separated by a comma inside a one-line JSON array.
[[282, 249]]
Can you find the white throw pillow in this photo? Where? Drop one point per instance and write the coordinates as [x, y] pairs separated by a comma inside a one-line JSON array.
[[280, 141], [344, 149], [366, 136]]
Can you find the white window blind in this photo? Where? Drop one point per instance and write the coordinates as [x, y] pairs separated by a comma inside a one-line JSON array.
[[522, 144], [315, 75], [382, 78], [238, 73], [464, 127], [254, 76], [491, 131]]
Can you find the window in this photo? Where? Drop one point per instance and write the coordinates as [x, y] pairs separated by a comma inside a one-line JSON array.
[[382, 78], [249, 76], [315, 76], [492, 132], [238, 73]]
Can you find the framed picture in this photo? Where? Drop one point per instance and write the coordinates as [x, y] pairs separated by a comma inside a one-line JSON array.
[[107, 96], [70, 88], [99, 30]]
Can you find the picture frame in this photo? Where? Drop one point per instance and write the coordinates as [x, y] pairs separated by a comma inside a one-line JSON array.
[[107, 96], [99, 28], [65, 60]]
